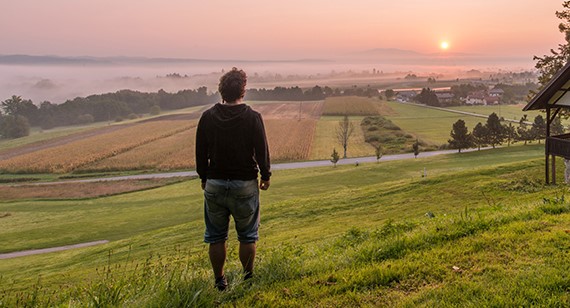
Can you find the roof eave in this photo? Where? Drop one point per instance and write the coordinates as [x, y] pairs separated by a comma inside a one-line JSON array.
[[557, 81]]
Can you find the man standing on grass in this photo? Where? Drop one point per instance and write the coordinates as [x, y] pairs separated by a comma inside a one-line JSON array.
[[231, 148]]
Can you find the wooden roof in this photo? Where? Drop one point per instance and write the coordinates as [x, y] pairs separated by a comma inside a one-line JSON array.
[[555, 94]]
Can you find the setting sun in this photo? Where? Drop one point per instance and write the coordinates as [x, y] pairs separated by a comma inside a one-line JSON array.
[[444, 45]]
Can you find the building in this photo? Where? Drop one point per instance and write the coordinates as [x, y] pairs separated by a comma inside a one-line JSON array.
[[496, 92], [554, 97], [406, 96], [445, 97]]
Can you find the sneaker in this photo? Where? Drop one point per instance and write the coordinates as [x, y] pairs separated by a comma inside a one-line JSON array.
[[247, 276], [221, 283]]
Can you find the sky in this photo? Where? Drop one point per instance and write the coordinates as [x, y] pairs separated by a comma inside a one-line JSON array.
[[269, 30]]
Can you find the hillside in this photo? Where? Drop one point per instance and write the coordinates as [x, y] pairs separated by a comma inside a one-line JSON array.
[[296, 131], [480, 230]]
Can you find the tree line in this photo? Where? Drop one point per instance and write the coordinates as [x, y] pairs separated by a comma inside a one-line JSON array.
[[18, 114], [494, 133], [512, 93]]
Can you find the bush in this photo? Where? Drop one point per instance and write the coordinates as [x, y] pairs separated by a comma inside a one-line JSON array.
[[85, 119], [155, 110], [133, 116], [14, 127]]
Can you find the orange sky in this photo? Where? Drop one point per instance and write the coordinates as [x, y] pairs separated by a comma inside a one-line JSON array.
[[249, 29]]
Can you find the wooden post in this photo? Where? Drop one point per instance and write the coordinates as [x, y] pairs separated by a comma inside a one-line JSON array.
[[546, 168], [546, 145], [554, 169]]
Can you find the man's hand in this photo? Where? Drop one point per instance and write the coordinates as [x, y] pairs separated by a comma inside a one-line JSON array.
[[203, 185], [264, 185]]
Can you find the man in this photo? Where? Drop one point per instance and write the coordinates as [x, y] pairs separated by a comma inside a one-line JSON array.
[[231, 148]]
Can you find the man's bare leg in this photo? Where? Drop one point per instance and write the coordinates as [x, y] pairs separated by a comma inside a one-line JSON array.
[[218, 258], [247, 256]]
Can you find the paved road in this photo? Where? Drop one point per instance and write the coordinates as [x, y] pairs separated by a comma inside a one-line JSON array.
[[46, 250], [283, 166]]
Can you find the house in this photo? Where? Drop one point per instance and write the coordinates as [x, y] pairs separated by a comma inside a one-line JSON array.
[[406, 96], [497, 92], [445, 97], [476, 98], [492, 100]]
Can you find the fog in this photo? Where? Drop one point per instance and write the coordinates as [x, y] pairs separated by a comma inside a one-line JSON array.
[[59, 82]]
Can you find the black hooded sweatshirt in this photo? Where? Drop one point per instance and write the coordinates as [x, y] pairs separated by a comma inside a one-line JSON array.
[[231, 144]]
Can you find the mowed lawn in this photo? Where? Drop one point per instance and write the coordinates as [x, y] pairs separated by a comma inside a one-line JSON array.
[[430, 125], [509, 112]]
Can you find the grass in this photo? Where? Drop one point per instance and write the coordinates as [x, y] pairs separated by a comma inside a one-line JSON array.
[[430, 125], [512, 112], [325, 139], [345, 236]]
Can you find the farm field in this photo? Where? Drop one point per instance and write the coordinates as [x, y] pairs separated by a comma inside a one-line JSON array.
[[295, 131], [325, 139], [79, 153], [355, 106], [39, 136], [160, 143], [379, 247], [430, 125]]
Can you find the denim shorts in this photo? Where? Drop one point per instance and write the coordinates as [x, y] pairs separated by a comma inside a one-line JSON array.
[[240, 199]]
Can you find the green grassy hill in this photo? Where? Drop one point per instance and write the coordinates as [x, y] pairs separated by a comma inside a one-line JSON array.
[[479, 230]]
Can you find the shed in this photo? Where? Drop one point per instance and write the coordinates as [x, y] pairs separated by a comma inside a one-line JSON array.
[[554, 97]]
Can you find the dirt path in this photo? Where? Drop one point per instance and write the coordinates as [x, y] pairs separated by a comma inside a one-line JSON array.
[[18, 254]]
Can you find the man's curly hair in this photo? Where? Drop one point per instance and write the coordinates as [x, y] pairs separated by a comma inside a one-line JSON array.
[[232, 85]]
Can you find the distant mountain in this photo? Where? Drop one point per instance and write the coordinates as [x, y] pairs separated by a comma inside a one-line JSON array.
[[388, 52], [49, 60], [58, 60]]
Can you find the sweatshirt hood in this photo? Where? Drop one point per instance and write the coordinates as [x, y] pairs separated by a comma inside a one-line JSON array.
[[228, 116]]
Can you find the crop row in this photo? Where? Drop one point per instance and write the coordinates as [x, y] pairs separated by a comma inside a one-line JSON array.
[[75, 155], [170, 153], [351, 105], [290, 139]]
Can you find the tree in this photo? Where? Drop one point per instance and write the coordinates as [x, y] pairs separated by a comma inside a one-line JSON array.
[[343, 132], [378, 151], [495, 130], [538, 129], [416, 148], [480, 135], [460, 137], [510, 134], [14, 126], [556, 128], [334, 157], [389, 94], [427, 97], [523, 133], [16, 106], [549, 65]]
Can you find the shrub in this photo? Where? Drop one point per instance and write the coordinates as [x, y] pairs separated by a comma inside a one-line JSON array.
[[85, 119], [14, 127], [155, 110]]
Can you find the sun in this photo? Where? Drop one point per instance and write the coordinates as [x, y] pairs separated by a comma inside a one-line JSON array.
[[444, 45]]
